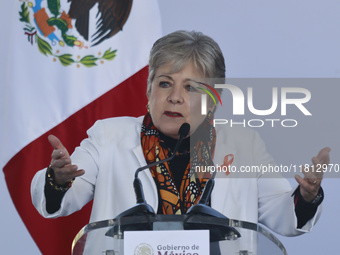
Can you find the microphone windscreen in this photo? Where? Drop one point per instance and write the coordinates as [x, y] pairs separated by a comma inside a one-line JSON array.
[[184, 130]]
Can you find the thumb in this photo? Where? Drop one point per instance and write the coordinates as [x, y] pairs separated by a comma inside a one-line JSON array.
[[55, 142], [323, 155]]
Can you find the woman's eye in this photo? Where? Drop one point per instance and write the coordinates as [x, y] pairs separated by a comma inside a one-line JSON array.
[[164, 84], [190, 88]]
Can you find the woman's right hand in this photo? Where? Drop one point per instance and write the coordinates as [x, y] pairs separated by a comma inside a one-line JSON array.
[[61, 163]]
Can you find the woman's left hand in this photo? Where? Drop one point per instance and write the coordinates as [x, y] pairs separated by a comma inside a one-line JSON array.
[[310, 184]]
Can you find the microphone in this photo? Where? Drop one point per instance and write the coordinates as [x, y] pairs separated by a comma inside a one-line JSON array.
[[202, 206], [201, 209], [142, 207]]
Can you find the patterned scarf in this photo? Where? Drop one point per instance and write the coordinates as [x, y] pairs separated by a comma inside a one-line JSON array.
[[174, 201]]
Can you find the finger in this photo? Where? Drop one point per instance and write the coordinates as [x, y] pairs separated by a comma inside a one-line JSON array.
[[315, 161], [321, 162], [60, 162], [308, 172], [60, 153], [312, 176], [67, 173], [78, 173], [300, 180], [317, 169], [55, 142], [308, 190], [323, 155], [314, 171], [59, 150]]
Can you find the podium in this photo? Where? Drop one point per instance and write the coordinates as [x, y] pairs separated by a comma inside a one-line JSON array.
[[225, 236]]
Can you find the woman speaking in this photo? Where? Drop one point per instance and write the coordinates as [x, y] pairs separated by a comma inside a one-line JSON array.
[[102, 168]]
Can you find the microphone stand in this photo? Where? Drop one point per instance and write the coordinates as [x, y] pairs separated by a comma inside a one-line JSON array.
[[202, 206], [201, 209]]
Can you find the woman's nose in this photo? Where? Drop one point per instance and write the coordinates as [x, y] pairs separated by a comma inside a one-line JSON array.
[[176, 95]]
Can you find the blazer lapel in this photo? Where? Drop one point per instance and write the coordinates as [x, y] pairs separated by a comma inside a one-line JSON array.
[[149, 186], [224, 153]]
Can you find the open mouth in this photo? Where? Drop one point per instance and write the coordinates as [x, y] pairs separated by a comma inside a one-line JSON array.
[[173, 114]]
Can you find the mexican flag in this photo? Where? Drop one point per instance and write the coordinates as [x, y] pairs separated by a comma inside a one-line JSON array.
[[66, 64]]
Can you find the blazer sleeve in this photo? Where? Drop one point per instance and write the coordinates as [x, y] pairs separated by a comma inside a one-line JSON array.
[[276, 199], [87, 157]]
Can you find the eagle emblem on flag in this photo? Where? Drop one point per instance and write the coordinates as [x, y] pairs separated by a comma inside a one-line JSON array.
[[54, 25]]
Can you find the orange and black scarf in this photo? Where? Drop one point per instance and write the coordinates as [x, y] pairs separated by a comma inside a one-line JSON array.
[[174, 201]]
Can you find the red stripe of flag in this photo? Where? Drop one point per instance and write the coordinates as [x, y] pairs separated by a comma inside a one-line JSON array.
[[55, 236]]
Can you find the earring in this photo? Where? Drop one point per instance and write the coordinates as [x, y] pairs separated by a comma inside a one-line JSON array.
[[148, 108], [210, 116]]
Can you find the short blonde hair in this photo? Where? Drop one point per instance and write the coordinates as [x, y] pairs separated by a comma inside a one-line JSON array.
[[181, 47]]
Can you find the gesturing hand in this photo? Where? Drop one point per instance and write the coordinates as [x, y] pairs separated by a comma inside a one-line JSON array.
[[310, 184], [61, 163]]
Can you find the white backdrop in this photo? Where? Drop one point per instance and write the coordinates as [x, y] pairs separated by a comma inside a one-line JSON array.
[[260, 39]]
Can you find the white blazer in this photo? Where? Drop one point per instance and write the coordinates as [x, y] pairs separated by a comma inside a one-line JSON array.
[[112, 152]]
